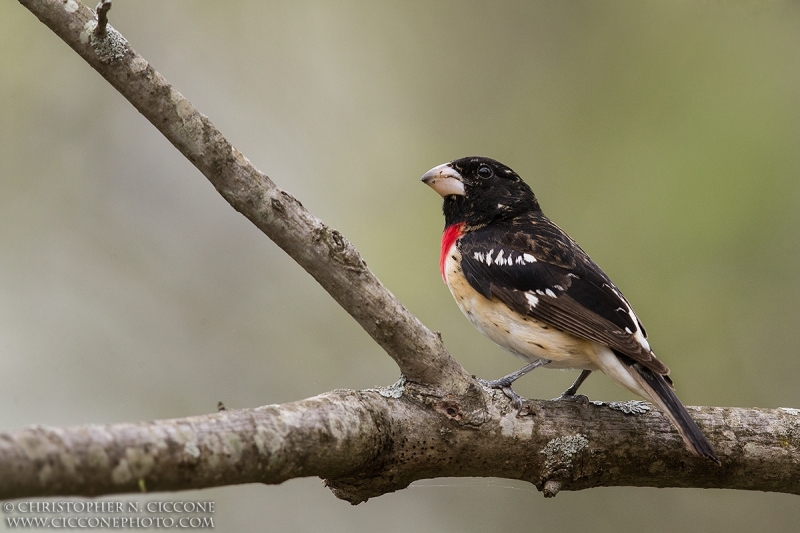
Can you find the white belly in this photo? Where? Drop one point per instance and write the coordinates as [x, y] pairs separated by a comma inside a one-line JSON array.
[[523, 336]]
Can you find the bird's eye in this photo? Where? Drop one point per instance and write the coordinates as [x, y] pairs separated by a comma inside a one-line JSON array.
[[485, 172]]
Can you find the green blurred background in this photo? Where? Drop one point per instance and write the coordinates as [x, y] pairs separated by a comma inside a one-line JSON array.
[[663, 136]]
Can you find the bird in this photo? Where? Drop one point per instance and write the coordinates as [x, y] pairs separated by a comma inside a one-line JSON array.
[[528, 286]]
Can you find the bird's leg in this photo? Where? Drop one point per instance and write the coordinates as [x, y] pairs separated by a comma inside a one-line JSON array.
[[569, 394], [504, 383]]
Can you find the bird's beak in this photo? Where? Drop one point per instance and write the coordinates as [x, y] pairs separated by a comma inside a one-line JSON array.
[[445, 180]]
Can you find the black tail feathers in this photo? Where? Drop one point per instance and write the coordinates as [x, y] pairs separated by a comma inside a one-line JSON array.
[[663, 395]]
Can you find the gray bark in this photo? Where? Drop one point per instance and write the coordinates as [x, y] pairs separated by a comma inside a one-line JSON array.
[[368, 443]]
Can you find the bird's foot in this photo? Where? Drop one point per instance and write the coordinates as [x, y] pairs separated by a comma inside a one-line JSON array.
[[503, 384], [571, 393], [581, 399]]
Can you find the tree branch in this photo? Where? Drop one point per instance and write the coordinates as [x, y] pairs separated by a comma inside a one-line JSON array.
[[438, 423], [372, 442]]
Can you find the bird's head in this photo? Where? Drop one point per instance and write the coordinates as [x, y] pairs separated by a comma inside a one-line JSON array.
[[479, 190]]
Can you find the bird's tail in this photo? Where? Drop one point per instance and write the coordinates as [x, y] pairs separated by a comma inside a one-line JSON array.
[[662, 394]]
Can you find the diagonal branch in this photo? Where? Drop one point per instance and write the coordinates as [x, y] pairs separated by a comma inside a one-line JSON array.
[[322, 251], [438, 422]]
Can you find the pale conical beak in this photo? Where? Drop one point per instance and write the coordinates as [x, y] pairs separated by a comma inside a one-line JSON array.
[[445, 180]]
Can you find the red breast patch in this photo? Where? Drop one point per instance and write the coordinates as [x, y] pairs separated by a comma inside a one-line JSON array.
[[450, 235]]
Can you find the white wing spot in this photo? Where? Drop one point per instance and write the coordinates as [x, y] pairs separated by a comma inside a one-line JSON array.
[[571, 275], [520, 260], [478, 256], [550, 293], [489, 257], [638, 333], [499, 259], [532, 300], [529, 258], [628, 331], [539, 292], [559, 287], [640, 337]]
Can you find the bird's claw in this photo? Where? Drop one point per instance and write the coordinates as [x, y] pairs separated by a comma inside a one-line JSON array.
[[582, 399], [516, 399], [505, 386]]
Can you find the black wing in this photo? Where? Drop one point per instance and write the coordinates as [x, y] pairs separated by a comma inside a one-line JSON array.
[[532, 266]]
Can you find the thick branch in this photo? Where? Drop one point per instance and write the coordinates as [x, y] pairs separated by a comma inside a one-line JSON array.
[[322, 251], [269, 444], [368, 443]]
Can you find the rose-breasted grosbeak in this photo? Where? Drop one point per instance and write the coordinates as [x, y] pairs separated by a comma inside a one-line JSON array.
[[531, 289]]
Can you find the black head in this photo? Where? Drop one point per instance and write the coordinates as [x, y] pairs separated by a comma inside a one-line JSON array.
[[479, 190]]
